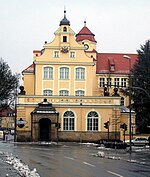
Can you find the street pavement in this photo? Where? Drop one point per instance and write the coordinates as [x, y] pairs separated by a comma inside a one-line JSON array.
[[38, 156]]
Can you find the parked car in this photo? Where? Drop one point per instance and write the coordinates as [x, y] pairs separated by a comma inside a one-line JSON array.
[[139, 141]]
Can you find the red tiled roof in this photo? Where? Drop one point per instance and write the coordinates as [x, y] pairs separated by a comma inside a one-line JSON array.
[[85, 34], [36, 51], [29, 69], [121, 64]]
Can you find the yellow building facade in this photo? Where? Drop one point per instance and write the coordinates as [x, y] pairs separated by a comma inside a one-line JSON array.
[[62, 98]]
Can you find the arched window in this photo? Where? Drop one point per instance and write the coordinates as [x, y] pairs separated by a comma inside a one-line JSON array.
[[122, 101], [64, 73], [80, 73], [64, 29], [63, 93], [79, 93], [92, 121], [48, 92], [68, 121], [48, 73]]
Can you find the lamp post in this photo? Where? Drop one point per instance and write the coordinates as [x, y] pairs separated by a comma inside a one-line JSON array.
[[130, 115]]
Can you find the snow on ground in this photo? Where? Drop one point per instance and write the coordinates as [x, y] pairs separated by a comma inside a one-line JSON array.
[[22, 169]]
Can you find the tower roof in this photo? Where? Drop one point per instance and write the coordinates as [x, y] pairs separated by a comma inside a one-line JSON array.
[[85, 34], [64, 21]]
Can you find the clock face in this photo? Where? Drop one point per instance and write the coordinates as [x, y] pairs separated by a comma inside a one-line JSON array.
[[64, 49], [86, 46]]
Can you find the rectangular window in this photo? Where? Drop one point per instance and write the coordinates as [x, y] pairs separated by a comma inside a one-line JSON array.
[[124, 82], [80, 73], [64, 73], [109, 82], [56, 54], [101, 82], [64, 38], [116, 82], [48, 73], [72, 54]]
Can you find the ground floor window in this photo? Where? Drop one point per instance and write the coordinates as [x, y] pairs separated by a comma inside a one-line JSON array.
[[68, 121], [92, 121]]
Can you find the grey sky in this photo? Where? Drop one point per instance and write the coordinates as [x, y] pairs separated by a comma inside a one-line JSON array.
[[120, 26]]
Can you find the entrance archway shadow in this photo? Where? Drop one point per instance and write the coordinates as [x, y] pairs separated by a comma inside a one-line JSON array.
[[45, 129]]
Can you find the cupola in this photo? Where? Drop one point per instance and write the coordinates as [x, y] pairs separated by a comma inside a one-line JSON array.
[[64, 21], [85, 34]]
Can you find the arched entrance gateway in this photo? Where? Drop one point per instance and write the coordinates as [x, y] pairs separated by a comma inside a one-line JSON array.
[[43, 123], [45, 129]]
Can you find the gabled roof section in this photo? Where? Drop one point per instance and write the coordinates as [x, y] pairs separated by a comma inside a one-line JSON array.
[[121, 64], [29, 69], [85, 34]]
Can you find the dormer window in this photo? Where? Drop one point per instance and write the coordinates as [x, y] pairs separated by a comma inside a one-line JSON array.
[[64, 38], [64, 29], [112, 67]]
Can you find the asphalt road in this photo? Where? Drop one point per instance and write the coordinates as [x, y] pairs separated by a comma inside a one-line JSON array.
[[74, 160]]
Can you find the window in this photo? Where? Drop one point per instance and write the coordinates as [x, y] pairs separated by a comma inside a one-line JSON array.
[[63, 93], [116, 82], [72, 54], [48, 73], [109, 82], [101, 82], [48, 92], [56, 54], [64, 29], [79, 93], [122, 101], [80, 73], [124, 82], [92, 121], [64, 73], [68, 121], [64, 38]]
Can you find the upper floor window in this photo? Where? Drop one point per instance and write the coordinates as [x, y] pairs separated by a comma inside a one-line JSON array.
[[63, 93], [80, 73], [122, 101], [92, 121], [65, 29], [80, 93], [64, 38], [72, 54], [101, 82], [116, 82], [123, 82], [48, 73], [48, 92], [64, 73], [56, 54], [109, 82]]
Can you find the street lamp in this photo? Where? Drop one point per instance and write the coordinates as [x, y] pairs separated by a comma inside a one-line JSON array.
[[130, 115]]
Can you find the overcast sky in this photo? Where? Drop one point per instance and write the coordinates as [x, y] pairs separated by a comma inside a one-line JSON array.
[[120, 26]]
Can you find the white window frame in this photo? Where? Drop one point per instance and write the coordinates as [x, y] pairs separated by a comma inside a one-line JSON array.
[[123, 82], [72, 54], [79, 93], [80, 73], [48, 92], [68, 121], [48, 72], [117, 82], [92, 121], [63, 93], [56, 54], [64, 73], [101, 82]]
